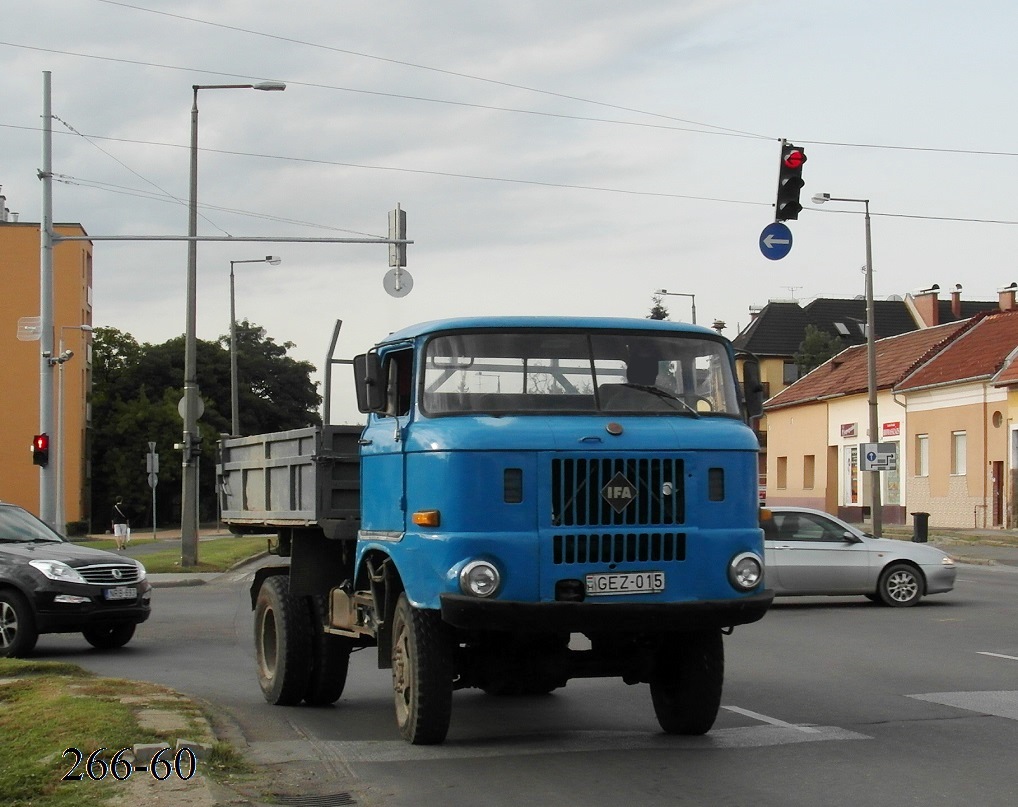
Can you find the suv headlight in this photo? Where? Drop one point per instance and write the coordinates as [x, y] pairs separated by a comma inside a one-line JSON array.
[[479, 578], [55, 570], [745, 572]]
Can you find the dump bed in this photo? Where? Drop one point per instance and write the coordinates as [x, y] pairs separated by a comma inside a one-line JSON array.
[[299, 478]]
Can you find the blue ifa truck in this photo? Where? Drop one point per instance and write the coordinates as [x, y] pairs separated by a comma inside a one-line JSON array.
[[533, 499]]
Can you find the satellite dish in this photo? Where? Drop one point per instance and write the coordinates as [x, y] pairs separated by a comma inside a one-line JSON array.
[[398, 282], [895, 298]]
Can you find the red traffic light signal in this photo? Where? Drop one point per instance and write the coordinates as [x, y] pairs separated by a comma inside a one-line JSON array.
[[40, 449], [790, 182]]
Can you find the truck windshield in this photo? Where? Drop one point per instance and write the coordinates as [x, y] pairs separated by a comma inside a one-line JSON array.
[[554, 372]]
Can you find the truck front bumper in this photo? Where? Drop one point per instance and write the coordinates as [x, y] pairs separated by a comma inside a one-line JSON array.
[[472, 613]]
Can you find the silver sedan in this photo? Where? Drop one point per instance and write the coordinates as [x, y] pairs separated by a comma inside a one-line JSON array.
[[811, 552]]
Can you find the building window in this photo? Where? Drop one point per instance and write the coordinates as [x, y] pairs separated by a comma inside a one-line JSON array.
[[782, 469], [790, 373], [922, 455], [809, 464], [957, 453]]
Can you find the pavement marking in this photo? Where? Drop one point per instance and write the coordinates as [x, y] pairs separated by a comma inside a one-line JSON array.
[[772, 720], [1000, 703], [996, 655], [386, 751]]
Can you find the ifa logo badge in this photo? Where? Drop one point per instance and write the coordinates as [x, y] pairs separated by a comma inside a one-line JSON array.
[[619, 492]]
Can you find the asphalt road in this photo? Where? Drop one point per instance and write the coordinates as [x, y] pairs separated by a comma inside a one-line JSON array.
[[827, 702]]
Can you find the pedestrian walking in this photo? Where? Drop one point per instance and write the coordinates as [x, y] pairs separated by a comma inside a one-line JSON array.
[[121, 524]]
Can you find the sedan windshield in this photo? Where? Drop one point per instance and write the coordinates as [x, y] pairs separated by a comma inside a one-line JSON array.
[[19, 526], [554, 372]]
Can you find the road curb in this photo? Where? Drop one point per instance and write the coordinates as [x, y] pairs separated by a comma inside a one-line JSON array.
[[184, 579]]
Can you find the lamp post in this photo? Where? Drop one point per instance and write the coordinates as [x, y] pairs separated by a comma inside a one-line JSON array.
[[191, 442], [871, 358], [692, 298], [62, 357], [272, 260]]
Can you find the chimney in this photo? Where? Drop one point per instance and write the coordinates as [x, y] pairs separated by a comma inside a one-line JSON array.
[[1006, 297], [927, 305], [956, 301]]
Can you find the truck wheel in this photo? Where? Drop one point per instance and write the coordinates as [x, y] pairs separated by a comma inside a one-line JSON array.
[[689, 671], [108, 637], [282, 642], [17, 626], [422, 673], [330, 659]]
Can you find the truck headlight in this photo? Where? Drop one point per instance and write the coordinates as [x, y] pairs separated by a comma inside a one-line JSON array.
[[479, 578], [745, 572]]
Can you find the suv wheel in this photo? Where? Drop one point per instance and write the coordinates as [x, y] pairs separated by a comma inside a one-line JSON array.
[[17, 625]]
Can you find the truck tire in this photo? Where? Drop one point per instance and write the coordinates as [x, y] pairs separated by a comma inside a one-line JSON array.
[[330, 659], [282, 642], [109, 637], [422, 673], [689, 672]]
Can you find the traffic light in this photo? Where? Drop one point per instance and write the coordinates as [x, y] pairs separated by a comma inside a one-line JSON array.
[[790, 182], [40, 449]]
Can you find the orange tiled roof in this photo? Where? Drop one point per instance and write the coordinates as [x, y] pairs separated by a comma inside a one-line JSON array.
[[978, 353], [846, 373]]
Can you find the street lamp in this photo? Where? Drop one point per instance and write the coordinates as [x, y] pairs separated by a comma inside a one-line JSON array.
[[871, 358], [62, 357], [192, 437], [692, 298], [272, 260]]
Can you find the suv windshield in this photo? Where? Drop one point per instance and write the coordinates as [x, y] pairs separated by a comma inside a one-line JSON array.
[[548, 372], [19, 526]]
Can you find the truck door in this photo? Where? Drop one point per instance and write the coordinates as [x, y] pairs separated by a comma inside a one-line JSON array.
[[383, 461]]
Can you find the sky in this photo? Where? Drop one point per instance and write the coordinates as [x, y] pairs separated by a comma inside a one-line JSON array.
[[567, 157]]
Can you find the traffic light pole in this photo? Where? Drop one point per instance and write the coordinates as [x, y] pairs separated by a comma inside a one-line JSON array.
[[47, 500]]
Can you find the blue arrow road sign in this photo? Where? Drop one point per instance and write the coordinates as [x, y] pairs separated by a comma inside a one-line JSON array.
[[775, 241]]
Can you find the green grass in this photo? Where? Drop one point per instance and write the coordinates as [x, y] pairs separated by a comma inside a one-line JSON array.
[[213, 556], [47, 707]]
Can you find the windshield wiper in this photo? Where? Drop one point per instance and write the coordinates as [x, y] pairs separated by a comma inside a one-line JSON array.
[[660, 393]]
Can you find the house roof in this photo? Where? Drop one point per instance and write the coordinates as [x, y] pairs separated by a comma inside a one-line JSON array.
[[847, 373], [778, 329], [980, 352]]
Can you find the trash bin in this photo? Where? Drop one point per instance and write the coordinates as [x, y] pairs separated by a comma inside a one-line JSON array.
[[920, 528]]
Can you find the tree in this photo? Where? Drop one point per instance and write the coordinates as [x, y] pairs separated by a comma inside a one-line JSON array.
[[816, 347], [658, 310], [136, 392]]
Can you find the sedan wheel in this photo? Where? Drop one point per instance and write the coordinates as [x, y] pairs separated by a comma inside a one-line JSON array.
[[900, 585]]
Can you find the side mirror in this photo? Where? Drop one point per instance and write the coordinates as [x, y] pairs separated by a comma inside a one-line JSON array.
[[752, 387], [367, 373]]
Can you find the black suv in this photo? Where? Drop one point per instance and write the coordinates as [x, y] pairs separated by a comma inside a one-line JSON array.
[[50, 585]]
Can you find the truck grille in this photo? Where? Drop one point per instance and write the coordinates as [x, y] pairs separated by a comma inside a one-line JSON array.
[[651, 487], [110, 574], [619, 548]]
